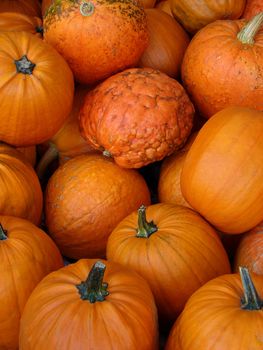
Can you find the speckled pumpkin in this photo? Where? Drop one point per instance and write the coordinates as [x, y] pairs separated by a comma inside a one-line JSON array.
[[97, 38], [138, 116]]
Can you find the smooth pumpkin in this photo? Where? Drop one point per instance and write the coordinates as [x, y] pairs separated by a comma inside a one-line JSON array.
[[219, 75], [222, 176], [27, 254], [196, 14], [225, 313], [253, 7], [164, 5], [116, 31], [105, 306], [13, 21], [30, 153], [27, 7], [173, 248], [167, 44]]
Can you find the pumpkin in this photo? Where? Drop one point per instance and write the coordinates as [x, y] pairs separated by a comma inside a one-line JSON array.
[[105, 305], [148, 3], [21, 193], [12, 21], [225, 313], [137, 117], [164, 5], [173, 248], [27, 7], [196, 14], [45, 5], [27, 254], [249, 251], [37, 89], [116, 31], [222, 176], [86, 198], [167, 44], [206, 62], [253, 7], [30, 153]]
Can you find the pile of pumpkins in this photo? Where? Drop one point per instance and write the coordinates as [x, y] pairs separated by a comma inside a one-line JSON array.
[[131, 174]]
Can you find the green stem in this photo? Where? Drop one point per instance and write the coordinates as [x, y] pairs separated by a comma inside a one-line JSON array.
[[145, 229], [250, 300], [24, 65], [3, 232], [249, 31], [94, 289]]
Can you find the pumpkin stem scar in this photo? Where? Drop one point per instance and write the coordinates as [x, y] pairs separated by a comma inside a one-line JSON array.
[[250, 300], [24, 65], [248, 32], [3, 233], [145, 229], [94, 289], [106, 153], [87, 8]]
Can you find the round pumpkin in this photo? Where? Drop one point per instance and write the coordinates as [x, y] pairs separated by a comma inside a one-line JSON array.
[[173, 248], [225, 313], [196, 14], [103, 304], [86, 198], [30, 153], [45, 5], [27, 7], [164, 5], [167, 44], [217, 76], [12, 21], [116, 31], [253, 7], [37, 89], [138, 117], [222, 176], [27, 255]]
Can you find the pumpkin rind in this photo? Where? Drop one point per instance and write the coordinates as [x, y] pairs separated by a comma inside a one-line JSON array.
[[253, 7], [27, 7], [12, 21]]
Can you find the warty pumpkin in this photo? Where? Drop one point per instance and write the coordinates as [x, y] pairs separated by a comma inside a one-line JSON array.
[[13, 21], [27, 254], [253, 7], [222, 176], [105, 306], [27, 7]]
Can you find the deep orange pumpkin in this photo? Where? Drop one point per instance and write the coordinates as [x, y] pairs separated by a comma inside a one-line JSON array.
[[222, 66], [173, 248], [253, 7], [13, 21], [164, 5], [27, 254], [27, 7], [115, 311], [30, 153], [222, 176], [45, 5]]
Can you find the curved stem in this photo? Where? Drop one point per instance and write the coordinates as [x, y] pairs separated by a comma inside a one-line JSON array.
[[3, 232], [24, 65], [145, 229], [251, 300], [248, 32], [94, 289], [49, 156]]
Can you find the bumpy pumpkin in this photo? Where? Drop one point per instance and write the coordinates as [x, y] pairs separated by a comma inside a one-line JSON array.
[[217, 76], [138, 116], [27, 255], [115, 311], [97, 38], [12, 21], [225, 313], [173, 248], [222, 176], [253, 7], [28, 7]]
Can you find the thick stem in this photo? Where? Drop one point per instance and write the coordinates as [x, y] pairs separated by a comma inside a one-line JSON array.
[[248, 32], [49, 156], [145, 229], [250, 300], [3, 232], [24, 65], [94, 289]]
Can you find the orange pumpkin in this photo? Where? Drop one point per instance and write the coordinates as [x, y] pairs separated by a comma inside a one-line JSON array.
[[222, 176], [115, 310], [225, 313], [30, 153], [138, 116], [27, 255], [148, 3], [174, 249], [116, 31], [253, 7], [12, 21], [36, 89], [164, 5], [27, 7], [86, 198], [21, 194], [167, 44], [217, 76], [45, 5]]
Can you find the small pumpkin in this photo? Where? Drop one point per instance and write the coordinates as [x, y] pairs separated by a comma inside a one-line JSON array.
[[12, 21], [27, 255], [253, 7], [27, 7], [225, 313], [104, 304]]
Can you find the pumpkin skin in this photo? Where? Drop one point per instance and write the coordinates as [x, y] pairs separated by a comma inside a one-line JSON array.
[[222, 176], [86, 198], [45, 5], [164, 6], [194, 15], [21, 193], [253, 7], [213, 317], [27, 7], [206, 62], [27, 255], [30, 153], [24, 123], [170, 259], [126, 316], [12, 21], [167, 44], [117, 32], [128, 117]]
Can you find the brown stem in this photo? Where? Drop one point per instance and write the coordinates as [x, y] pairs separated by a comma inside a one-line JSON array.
[[49, 156], [145, 229], [3, 232], [24, 65], [248, 32], [250, 300]]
